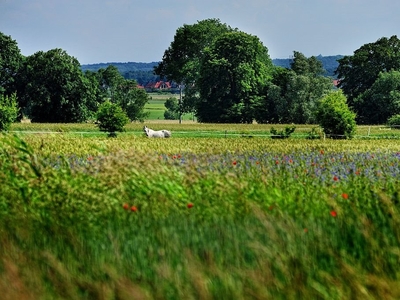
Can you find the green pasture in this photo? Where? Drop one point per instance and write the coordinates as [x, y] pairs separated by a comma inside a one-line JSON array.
[[189, 128], [155, 107], [217, 211]]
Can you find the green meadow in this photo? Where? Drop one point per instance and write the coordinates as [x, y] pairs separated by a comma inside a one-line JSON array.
[[155, 107], [217, 211]]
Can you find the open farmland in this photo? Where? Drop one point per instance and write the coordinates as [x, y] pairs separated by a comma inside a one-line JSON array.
[[215, 212]]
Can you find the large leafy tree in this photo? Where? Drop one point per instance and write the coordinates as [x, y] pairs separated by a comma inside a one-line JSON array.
[[377, 104], [234, 70], [358, 72], [292, 95], [123, 92], [182, 60], [110, 80], [54, 89], [132, 100], [10, 62]]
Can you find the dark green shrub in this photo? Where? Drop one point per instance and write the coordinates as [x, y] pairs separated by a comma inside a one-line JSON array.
[[394, 122], [282, 134], [313, 134], [8, 111], [335, 117], [111, 118]]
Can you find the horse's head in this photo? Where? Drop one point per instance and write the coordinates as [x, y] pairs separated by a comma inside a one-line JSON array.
[[146, 130]]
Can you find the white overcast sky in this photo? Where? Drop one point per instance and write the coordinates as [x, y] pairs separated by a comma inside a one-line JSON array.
[[97, 31]]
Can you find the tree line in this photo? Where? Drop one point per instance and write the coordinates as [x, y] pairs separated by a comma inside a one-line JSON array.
[[227, 77], [50, 87], [143, 72]]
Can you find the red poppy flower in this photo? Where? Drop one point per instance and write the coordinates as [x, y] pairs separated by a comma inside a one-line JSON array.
[[234, 163], [333, 213], [190, 205], [133, 208], [335, 178], [277, 162], [125, 206], [345, 196]]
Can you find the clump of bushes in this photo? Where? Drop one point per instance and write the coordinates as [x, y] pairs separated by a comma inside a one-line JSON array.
[[111, 118], [282, 134], [394, 121], [8, 111], [335, 117], [313, 134]]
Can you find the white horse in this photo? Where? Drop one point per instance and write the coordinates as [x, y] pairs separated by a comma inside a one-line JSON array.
[[156, 134]]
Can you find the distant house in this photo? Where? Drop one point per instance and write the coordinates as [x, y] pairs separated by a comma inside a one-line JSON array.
[[159, 85], [336, 82]]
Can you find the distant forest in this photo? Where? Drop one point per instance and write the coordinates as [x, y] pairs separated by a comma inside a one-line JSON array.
[[143, 72]]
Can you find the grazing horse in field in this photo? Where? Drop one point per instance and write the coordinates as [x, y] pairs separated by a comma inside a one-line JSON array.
[[156, 134]]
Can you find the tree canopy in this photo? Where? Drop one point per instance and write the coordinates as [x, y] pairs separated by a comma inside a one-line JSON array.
[[234, 70], [10, 62], [53, 88], [121, 91], [358, 72], [292, 95], [182, 60], [377, 104], [302, 65]]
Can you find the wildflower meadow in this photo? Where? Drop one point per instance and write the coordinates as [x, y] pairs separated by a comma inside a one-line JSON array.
[[205, 217]]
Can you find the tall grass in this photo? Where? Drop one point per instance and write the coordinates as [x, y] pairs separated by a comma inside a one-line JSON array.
[[210, 218]]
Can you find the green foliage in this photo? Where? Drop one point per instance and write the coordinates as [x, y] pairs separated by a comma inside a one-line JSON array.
[[235, 69], [358, 72], [172, 106], [314, 134], [132, 100], [381, 101], [292, 96], [8, 111], [302, 65], [282, 134], [123, 92], [53, 89], [394, 121], [10, 62], [182, 60], [335, 117], [111, 118]]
